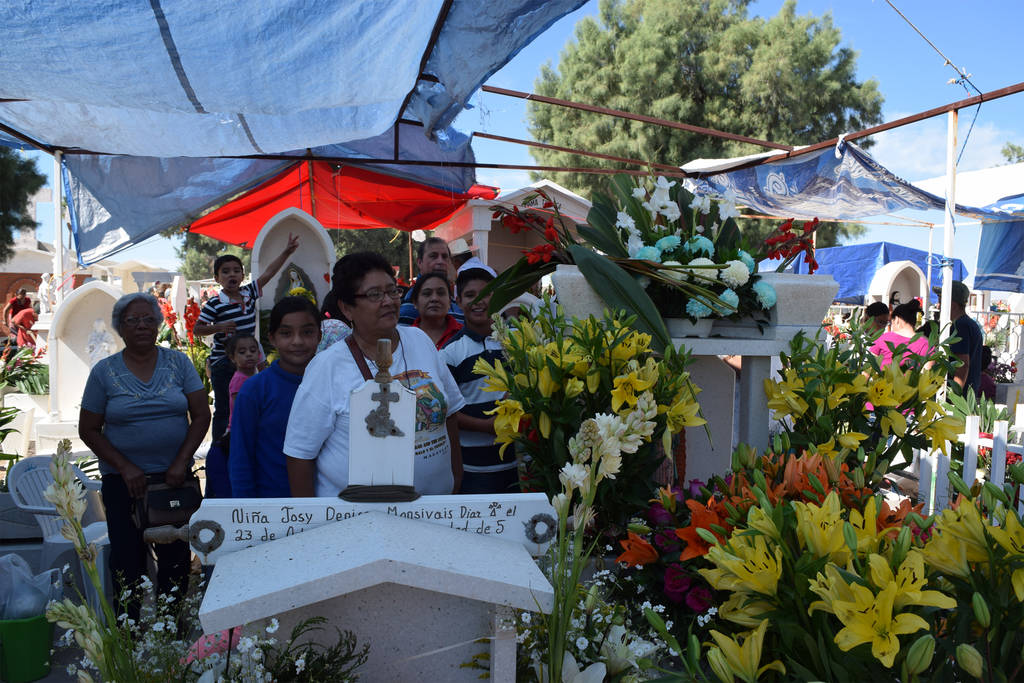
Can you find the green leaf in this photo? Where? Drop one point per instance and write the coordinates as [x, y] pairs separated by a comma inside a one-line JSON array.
[[600, 240], [621, 292], [514, 281]]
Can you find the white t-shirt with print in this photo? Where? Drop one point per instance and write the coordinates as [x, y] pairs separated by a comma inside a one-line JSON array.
[[318, 426]]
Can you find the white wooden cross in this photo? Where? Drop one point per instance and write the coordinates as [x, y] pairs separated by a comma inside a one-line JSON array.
[[382, 428]]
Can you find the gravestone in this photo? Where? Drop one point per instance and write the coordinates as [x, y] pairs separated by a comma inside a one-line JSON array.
[[448, 569], [309, 266], [425, 598], [706, 458]]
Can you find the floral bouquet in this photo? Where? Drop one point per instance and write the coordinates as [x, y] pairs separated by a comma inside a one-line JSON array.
[[653, 249], [842, 404], [558, 373]]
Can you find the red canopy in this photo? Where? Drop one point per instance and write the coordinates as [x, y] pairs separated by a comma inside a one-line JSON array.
[[345, 199]]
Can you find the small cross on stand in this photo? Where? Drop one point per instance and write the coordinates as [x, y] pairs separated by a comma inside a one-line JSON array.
[[378, 421], [381, 457]]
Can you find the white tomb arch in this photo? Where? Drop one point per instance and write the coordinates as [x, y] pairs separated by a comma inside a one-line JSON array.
[[901, 278], [74, 322], [315, 255]]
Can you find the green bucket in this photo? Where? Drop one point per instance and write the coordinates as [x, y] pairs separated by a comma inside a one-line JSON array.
[[25, 649]]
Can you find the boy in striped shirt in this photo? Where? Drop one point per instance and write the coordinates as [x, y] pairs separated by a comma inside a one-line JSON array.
[[232, 310], [484, 470]]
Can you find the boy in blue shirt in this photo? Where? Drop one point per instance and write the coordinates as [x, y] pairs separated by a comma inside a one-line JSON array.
[[232, 310]]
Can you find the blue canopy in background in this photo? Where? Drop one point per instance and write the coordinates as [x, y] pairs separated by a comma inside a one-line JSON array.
[[168, 87], [854, 266]]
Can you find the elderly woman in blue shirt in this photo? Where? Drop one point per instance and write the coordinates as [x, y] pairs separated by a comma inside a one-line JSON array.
[[144, 413]]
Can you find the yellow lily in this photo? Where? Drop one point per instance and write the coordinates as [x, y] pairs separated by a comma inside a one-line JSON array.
[[947, 555], [869, 618], [573, 387], [759, 520], [626, 388], [496, 377], [881, 395], [893, 421], [544, 423], [865, 527], [731, 658], [1010, 535], [744, 610], [746, 565], [546, 384], [909, 580], [820, 528], [901, 388], [832, 588], [593, 381], [827, 449], [943, 430], [851, 440], [507, 414]]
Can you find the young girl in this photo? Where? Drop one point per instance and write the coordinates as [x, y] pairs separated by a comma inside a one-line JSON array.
[[244, 353], [257, 465]]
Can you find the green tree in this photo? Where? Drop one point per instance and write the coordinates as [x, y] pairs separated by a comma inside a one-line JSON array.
[[196, 254], [702, 62], [19, 180], [390, 243], [1014, 154]]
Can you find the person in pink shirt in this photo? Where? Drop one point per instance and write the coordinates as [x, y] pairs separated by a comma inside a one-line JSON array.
[[901, 333], [243, 351]]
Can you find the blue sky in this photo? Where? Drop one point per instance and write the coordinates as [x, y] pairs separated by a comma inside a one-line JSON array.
[[981, 36]]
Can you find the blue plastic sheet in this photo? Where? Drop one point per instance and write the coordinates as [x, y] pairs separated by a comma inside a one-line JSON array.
[[854, 266], [166, 86]]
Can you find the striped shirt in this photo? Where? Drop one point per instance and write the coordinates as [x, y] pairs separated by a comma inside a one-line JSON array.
[[221, 309], [479, 452]]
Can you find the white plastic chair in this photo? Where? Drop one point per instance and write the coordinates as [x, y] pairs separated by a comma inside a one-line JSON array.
[[27, 480]]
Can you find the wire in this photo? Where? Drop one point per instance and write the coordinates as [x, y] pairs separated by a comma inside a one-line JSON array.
[[964, 79]]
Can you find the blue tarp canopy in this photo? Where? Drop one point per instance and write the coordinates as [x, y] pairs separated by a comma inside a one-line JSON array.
[[147, 98], [854, 266], [836, 183]]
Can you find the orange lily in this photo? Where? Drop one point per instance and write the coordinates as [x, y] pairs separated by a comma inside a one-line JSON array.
[[638, 551]]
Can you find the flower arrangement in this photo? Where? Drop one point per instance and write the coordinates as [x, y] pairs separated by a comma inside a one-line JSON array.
[[654, 249], [577, 629], [1003, 373], [155, 648], [23, 369], [170, 335], [558, 373], [302, 291], [818, 577], [840, 403]]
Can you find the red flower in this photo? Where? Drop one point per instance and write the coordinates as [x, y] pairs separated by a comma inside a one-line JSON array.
[[810, 226], [550, 234], [170, 317], [191, 316], [541, 252]]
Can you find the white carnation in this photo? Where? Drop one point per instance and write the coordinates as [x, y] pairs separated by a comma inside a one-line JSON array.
[[735, 274], [624, 220]]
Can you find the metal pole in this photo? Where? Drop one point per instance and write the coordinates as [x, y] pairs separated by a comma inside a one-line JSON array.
[[948, 229], [927, 303], [58, 231]]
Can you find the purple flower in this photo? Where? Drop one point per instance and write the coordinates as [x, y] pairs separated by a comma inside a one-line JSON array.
[[695, 485], [677, 583], [666, 542], [698, 598], [658, 515]]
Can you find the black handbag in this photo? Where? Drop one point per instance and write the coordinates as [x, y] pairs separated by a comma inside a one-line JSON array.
[[165, 504]]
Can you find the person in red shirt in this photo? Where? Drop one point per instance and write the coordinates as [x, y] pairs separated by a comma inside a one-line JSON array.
[[22, 322], [17, 304]]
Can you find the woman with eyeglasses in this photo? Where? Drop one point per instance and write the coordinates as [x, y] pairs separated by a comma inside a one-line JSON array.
[[316, 442], [144, 413]]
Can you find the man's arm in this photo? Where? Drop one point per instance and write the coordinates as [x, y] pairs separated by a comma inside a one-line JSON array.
[[960, 374], [475, 424], [275, 265]]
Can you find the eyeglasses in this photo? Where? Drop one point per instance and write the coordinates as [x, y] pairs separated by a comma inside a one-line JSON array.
[[147, 320], [377, 295]]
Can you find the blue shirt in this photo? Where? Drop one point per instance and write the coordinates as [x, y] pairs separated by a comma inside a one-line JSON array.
[[971, 342], [145, 421], [256, 465]]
